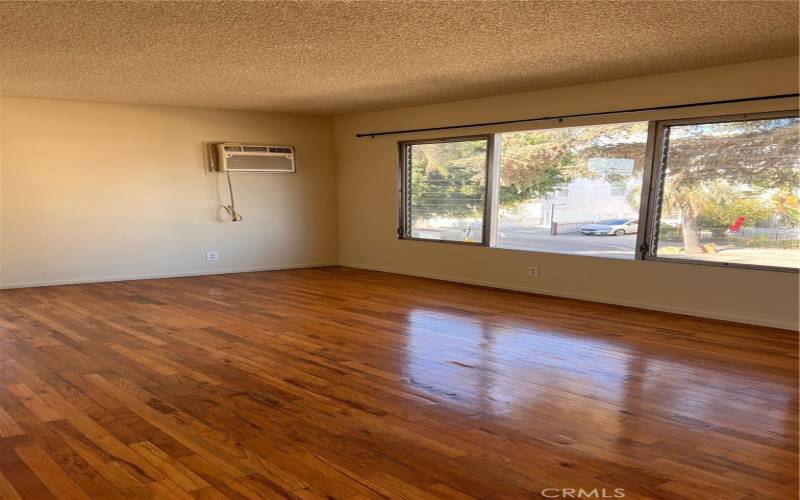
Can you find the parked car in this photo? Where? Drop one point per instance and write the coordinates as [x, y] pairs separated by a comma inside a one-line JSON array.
[[617, 227]]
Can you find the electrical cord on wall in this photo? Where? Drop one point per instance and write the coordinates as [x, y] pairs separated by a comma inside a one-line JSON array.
[[231, 209]]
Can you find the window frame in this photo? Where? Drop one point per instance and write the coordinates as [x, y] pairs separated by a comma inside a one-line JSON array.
[[652, 182], [403, 223], [655, 176]]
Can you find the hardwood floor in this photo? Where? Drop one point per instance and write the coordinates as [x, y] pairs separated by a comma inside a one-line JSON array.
[[354, 384]]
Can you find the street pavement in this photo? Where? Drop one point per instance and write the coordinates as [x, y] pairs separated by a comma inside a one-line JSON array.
[[540, 240]]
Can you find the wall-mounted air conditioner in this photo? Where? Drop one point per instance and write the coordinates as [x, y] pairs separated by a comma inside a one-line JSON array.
[[241, 157]]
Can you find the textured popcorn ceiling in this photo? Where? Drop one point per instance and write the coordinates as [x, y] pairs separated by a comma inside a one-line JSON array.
[[342, 56]]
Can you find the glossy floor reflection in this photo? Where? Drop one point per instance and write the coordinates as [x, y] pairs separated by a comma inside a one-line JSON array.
[[597, 395], [344, 383]]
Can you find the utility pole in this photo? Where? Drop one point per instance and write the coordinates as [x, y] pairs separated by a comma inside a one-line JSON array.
[[553, 223]]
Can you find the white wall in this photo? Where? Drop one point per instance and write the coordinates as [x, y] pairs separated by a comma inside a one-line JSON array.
[[367, 180], [105, 191]]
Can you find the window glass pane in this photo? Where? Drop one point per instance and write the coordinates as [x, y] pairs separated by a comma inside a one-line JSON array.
[[730, 193], [572, 190], [447, 187]]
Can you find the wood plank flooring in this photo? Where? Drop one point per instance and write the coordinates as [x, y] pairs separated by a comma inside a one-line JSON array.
[[342, 383]]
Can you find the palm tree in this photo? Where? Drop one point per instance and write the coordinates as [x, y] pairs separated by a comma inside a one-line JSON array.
[[689, 203], [715, 163]]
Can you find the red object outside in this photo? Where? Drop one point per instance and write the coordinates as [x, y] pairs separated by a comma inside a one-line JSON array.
[[737, 224]]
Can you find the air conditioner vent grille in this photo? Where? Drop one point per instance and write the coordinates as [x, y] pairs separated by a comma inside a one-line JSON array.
[[238, 157], [266, 163]]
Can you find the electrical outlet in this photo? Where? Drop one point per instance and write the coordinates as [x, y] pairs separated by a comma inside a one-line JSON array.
[[533, 271], [212, 256]]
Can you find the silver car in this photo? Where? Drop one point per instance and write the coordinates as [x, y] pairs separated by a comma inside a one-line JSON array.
[[617, 227]]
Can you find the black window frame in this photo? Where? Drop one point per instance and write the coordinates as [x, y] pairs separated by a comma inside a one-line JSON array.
[[655, 177], [652, 183], [404, 192]]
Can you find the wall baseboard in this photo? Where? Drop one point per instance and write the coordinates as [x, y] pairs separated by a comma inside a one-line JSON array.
[[204, 272], [590, 298]]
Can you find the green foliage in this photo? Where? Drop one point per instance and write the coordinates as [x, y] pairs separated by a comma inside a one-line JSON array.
[[536, 163], [715, 170], [667, 232], [548, 182], [757, 153], [726, 211], [709, 166], [529, 181], [787, 206], [447, 179]]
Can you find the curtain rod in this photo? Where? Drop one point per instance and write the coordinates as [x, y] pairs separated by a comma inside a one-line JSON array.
[[580, 115]]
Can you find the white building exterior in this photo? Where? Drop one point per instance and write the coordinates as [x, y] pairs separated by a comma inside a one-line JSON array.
[[585, 200]]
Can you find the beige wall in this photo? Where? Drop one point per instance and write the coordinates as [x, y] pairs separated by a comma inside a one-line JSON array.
[[367, 177], [93, 192], [104, 191]]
